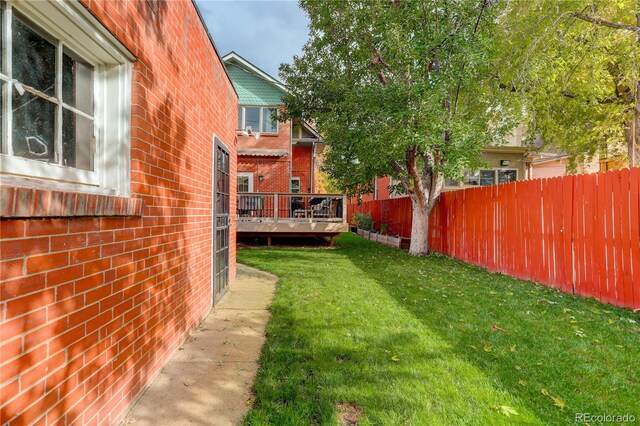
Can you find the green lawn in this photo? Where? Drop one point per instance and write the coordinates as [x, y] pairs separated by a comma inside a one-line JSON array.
[[430, 341]]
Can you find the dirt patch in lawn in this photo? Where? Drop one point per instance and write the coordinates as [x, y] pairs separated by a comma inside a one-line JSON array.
[[349, 414]]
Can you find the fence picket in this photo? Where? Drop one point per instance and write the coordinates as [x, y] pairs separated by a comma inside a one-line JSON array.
[[634, 225], [580, 234]]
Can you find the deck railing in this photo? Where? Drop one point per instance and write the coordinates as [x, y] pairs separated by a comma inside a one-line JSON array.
[[291, 207]]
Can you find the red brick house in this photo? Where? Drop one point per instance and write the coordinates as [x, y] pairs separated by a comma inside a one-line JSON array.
[[273, 156], [277, 163], [117, 120]]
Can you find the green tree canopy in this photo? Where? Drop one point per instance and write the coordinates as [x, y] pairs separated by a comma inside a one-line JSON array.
[[576, 64], [405, 88]]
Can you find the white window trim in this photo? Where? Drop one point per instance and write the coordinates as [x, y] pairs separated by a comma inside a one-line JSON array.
[[250, 176], [261, 107], [73, 25], [296, 178]]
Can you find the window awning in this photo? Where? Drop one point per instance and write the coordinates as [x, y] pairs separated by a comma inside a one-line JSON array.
[[263, 152]]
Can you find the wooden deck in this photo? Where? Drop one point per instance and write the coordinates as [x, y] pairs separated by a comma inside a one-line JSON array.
[[291, 215]]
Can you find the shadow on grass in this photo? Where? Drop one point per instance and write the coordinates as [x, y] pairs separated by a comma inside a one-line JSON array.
[[434, 340], [558, 354], [337, 336]]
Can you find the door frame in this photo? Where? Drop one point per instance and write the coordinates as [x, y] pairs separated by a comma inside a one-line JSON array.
[[218, 144]]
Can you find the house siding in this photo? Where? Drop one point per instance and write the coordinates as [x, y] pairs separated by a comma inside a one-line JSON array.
[[274, 172], [280, 140], [550, 169], [92, 308], [302, 166]]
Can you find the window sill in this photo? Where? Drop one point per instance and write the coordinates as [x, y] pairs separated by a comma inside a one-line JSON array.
[[30, 203], [262, 135]]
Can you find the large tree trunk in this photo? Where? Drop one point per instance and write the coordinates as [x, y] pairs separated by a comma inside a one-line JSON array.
[[419, 228]]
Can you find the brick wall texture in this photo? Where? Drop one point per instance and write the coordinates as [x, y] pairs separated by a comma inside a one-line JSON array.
[[276, 171], [91, 308], [302, 166]]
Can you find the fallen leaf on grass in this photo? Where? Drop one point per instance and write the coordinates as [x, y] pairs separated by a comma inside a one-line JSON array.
[[544, 392], [558, 402], [522, 382], [518, 368], [395, 358], [507, 411], [488, 348], [496, 327], [512, 348]]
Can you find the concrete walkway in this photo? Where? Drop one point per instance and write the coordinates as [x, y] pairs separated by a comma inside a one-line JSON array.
[[208, 381]]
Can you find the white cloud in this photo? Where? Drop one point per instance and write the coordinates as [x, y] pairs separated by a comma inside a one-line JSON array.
[[265, 32]]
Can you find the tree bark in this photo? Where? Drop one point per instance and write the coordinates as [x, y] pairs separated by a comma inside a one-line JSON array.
[[419, 228]]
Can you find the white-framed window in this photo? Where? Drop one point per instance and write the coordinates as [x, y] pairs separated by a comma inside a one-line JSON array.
[[295, 185], [258, 119], [485, 177], [245, 182], [65, 99]]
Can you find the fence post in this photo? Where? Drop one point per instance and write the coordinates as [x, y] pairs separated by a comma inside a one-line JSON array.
[[275, 207], [344, 208]]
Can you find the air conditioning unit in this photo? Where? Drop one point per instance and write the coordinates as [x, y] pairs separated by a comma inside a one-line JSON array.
[[248, 129]]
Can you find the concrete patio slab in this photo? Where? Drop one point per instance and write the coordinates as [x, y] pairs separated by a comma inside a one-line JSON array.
[[208, 381]]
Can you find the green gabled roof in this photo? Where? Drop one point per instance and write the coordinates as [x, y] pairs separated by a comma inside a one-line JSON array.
[[253, 89]]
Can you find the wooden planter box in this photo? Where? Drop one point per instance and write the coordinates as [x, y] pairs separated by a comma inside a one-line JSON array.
[[387, 240]]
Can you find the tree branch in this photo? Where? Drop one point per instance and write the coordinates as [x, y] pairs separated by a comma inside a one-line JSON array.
[[401, 172], [602, 22], [412, 169], [485, 3]]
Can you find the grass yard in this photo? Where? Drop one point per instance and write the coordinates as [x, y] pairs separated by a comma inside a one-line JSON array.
[[403, 340]]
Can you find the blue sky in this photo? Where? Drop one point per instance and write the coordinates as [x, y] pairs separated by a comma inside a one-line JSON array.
[[265, 32]]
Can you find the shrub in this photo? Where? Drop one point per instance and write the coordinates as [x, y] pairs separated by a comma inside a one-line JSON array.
[[364, 221]]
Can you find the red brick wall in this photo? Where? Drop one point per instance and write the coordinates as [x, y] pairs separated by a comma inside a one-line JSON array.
[[281, 140], [274, 172], [92, 308], [302, 166]]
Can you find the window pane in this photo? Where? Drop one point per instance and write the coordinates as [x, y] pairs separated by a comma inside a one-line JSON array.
[[77, 83], [34, 58], [77, 132], [33, 124], [507, 176], [295, 185], [269, 120], [239, 118], [243, 183], [487, 177], [472, 178], [252, 118]]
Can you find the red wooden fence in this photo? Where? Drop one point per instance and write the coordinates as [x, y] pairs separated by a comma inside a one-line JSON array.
[[395, 213], [580, 234]]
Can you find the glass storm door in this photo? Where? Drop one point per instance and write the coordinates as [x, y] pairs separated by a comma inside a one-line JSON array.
[[221, 222]]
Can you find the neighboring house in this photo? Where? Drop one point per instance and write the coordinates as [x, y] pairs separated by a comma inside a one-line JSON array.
[[116, 114], [552, 164], [276, 161], [273, 156], [504, 163]]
